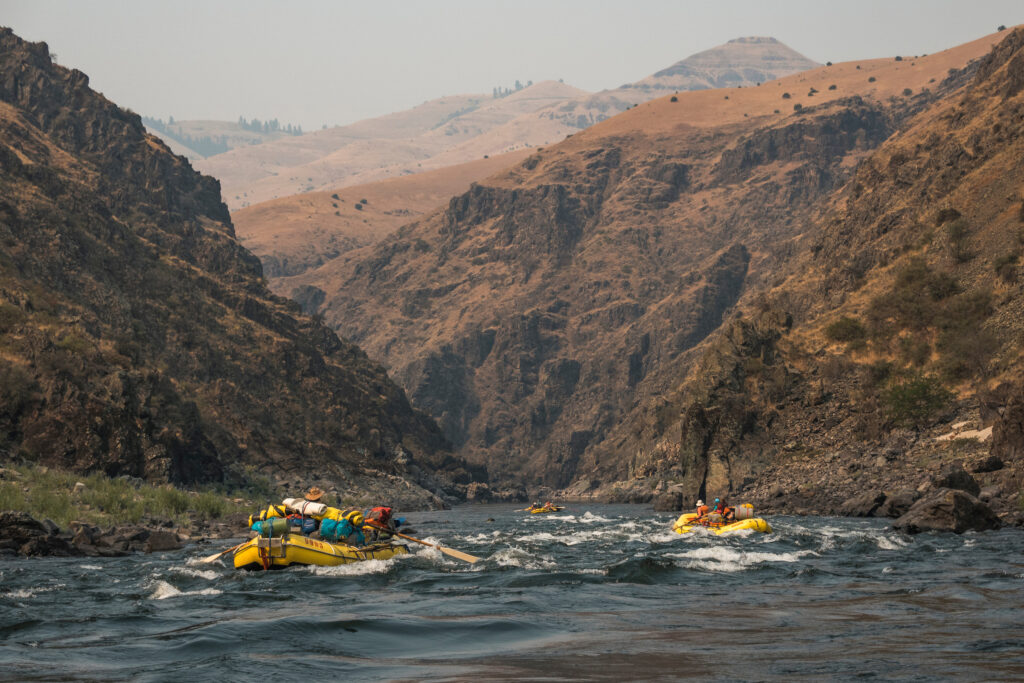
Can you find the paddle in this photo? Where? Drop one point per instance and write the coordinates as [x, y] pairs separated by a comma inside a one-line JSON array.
[[465, 557], [213, 557]]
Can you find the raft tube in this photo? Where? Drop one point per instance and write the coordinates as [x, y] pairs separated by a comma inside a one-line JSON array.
[[686, 523], [542, 511], [283, 551]]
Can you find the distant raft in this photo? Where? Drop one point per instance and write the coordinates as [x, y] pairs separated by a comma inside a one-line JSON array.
[[745, 521], [278, 552], [546, 509]]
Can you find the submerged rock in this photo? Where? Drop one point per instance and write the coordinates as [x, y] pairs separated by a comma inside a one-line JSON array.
[[948, 510]]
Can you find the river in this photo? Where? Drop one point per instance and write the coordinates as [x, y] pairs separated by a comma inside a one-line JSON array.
[[596, 592]]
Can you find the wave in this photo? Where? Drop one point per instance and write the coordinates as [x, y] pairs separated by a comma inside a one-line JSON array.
[[164, 590]]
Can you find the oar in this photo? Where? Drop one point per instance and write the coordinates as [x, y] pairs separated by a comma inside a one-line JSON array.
[[213, 557], [466, 557]]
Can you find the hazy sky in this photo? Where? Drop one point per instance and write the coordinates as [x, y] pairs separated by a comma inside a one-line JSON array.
[[336, 62]]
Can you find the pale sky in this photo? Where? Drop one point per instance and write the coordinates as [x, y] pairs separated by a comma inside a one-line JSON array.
[[336, 62]]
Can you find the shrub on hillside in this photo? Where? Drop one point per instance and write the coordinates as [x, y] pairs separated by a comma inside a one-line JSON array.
[[1006, 267], [786, 95], [957, 234], [871, 79], [846, 329], [915, 400], [797, 106], [673, 99], [832, 87], [911, 303], [907, 92]]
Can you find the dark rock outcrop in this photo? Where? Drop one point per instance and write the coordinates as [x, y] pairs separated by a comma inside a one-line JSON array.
[[955, 477], [992, 463], [1008, 431], [898, 504], [863, 505], [22, 534], [948, 510]]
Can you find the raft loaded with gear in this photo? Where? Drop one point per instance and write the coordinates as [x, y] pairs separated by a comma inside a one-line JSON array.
[[721, 519], [305, 531], [308, 532]]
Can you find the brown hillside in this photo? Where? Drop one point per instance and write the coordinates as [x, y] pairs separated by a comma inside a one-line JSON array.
[[372, 150], [893, 327], [300, 233], [542, 310], [136, 336]]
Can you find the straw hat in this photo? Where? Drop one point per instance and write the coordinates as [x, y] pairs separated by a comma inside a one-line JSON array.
[[314, 494]]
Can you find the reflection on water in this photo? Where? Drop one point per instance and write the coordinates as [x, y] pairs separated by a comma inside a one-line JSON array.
[[595, 593]]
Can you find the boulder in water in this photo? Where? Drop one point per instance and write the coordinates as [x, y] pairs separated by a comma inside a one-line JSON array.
[[161, 540], [896, 504], [864, 505], [948, 510]]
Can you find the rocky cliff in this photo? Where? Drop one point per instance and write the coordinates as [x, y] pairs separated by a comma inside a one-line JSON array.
[[650, 305], [137, 337]]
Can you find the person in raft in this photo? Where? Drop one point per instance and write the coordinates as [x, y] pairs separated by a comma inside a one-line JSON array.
[[380, 523], [721, 512], [701, 509]]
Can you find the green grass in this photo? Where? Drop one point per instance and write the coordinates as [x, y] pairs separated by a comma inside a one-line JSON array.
[[49, 494]]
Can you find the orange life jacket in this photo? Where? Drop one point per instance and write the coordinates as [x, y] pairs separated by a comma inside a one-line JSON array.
[[380, 515], [702, 510]]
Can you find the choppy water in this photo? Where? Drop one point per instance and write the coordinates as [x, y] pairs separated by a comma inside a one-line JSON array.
[[598, 592]]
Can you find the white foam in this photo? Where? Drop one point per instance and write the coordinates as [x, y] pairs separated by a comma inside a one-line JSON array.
[[23, 593], [887, 543], [207, 574], [517, 557], [92, 567], [481, 537], [362, 568], [589, 518], [165, 590], [724, 559]]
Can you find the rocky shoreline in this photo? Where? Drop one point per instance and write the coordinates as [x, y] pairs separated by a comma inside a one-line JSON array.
[[21, 534]]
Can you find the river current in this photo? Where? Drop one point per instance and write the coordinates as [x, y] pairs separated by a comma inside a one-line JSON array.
[[596, 592]]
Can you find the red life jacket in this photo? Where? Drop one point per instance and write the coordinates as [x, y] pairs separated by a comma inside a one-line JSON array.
[[380, 515]]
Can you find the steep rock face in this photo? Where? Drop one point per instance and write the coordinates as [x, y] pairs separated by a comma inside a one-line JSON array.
[[138, 337], [906, 300], [537, 311]]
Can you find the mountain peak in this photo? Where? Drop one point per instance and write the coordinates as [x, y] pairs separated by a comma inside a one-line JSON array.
[[754, 40], [741, 61]]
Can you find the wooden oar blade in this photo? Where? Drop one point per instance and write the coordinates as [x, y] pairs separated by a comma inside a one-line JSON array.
[[466, 557], [211, 558]]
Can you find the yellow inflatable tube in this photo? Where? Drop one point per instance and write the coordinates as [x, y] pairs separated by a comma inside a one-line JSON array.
[[283, 551], [543, 511], [687, 523]]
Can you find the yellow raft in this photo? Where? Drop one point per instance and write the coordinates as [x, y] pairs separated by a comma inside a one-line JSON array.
[[541, 511], [687, 523], [283, 551]]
